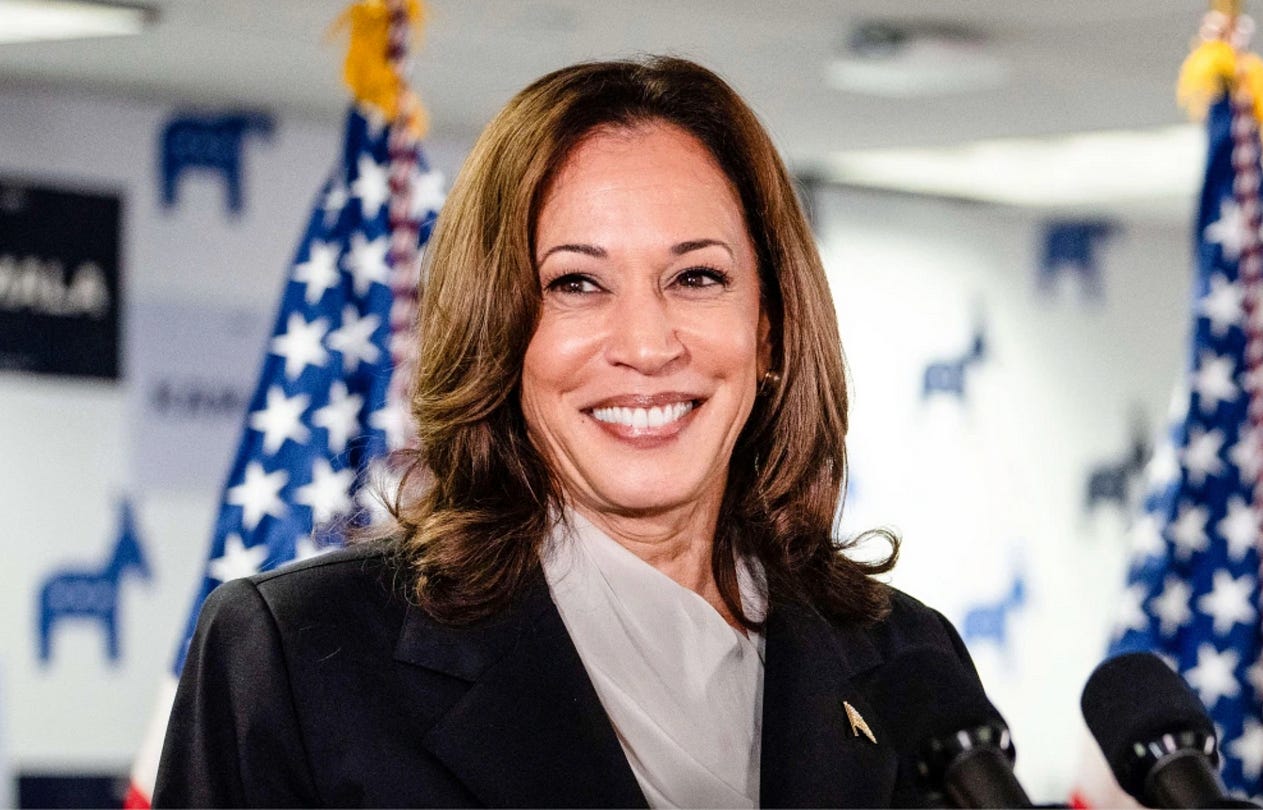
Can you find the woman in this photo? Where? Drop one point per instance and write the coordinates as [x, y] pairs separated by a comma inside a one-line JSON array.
[[613, 581]]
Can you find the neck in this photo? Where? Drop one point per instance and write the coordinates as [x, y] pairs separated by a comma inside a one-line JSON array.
[[677, 542]]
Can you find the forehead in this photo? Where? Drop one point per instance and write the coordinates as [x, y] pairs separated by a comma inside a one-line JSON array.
[[610, 142], [654, 160]]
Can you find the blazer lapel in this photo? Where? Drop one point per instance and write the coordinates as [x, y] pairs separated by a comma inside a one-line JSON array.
[[811, 755], [530, 731]]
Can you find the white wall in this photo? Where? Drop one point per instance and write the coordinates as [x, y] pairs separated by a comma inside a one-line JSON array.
[[976, 489]]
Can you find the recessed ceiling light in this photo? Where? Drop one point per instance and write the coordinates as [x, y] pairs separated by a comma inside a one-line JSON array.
[[41, 20], [1117, 166], [902, 60]]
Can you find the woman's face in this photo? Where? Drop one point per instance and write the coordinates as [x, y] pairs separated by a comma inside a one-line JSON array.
[[651, 339]]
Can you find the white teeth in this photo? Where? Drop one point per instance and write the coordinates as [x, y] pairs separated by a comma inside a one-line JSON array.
[[640, 418]]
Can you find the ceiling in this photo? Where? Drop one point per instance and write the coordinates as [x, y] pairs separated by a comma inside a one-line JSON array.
[[1072, 65]]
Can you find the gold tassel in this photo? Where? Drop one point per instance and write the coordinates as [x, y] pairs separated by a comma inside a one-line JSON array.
[[368, 72], [1205, 75], [1251, 68]]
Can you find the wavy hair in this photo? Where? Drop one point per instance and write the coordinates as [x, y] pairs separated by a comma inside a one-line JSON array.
[[474, 505]]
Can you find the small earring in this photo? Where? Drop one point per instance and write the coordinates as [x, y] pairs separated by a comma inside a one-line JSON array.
[[770, 381]]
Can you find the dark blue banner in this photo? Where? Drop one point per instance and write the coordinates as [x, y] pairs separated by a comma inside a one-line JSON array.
[[59, 281]]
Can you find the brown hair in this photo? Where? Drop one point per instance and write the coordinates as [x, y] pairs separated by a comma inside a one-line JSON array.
[[475, 503]]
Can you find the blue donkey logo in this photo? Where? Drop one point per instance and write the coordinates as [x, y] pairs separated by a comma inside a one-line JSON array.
[[213, 143], [1070, 246], [990, 621], [948, 376], [92, 594]]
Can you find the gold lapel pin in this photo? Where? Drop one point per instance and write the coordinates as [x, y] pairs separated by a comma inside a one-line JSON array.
[[858, 726]]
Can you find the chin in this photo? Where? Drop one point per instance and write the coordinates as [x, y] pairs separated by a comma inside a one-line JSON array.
[[663, 493]]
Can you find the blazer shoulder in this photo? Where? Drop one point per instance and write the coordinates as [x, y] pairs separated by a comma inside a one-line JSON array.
[[364, 558], [912, 623], [345, 576], [361, 584]]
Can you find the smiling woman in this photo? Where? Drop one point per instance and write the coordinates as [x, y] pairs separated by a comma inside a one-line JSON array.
[[612, 579]]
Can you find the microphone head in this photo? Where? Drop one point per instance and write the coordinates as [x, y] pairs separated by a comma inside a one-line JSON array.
[[1134, 700], [932, 708], [925, 692]]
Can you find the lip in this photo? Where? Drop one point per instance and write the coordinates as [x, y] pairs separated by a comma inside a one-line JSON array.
[[645, 438], [644, 400]]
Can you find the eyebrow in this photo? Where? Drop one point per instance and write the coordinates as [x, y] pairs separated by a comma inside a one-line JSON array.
[[600, 253]]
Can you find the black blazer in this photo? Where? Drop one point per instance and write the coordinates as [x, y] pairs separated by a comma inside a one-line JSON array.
[[318, 684]]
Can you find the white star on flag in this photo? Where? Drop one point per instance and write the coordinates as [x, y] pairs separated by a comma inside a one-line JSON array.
[[335, 200], [258, 494], [319, 272], [301, 344], [1249, 749], [1214, 381], [404, 347], [306, 547], [1177, 408], [354, 339], [1171, 607], [281, 419], [1228, 601], [1254, 674], [1201, 456], [328, 494], [372, 187], [1239, 528], [1188, 531], [381, 483], [1131, 612], [1245, 454], [394, 422], [1164, 466], [1223, 304], [1146, 537], [427, 193], [340, 417], [375, 122], [1214, 677], [237, 561], [1229, 231], [367, 262]]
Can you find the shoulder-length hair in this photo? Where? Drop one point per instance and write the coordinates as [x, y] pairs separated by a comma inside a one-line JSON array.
[[478, 497]]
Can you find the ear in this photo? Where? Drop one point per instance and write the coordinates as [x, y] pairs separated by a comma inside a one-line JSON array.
[[763, 360]]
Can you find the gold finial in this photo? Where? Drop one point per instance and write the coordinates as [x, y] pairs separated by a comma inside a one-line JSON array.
[[376, 56], [858, 726]]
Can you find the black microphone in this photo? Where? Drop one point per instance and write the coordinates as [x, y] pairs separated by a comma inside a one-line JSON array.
[[939, 719], [1155, 734]]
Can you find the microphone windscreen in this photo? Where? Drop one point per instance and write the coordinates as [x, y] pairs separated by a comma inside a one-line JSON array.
[[1136, 698], [926, 694]]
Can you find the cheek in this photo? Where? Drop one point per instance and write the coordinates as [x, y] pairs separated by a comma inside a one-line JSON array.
[[554, 363], [727, 342]]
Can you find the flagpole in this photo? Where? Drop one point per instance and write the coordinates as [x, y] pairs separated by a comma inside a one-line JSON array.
[[405, 134], [1232, 8]]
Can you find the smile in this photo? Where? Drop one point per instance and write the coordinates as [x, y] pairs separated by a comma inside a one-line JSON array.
[[637, 418]]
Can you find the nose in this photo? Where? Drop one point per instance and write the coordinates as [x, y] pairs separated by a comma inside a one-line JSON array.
[[643, 334]]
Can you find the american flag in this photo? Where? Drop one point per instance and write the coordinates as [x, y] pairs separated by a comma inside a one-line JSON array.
[[1193, 585], [324, 408]]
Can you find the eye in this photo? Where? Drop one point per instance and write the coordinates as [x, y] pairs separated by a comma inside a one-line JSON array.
[[573, 284], [702, 277]]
